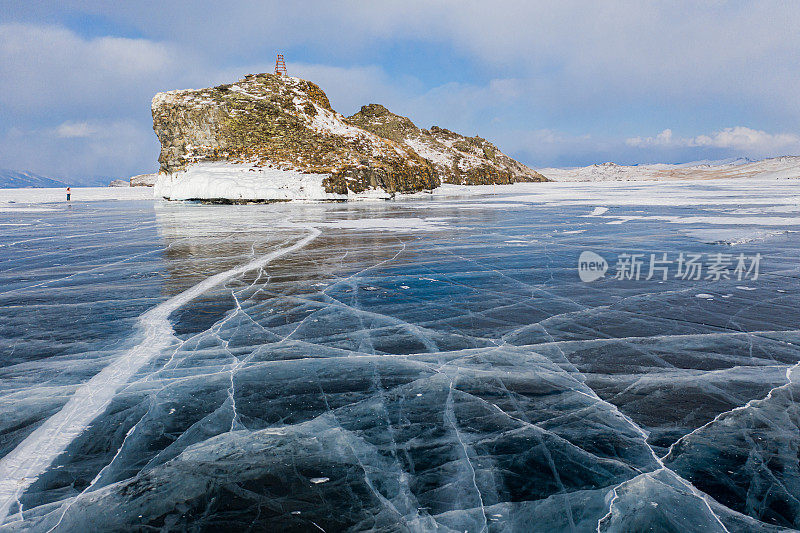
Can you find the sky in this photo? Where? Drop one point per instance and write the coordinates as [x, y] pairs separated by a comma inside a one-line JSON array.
[[565, 83]]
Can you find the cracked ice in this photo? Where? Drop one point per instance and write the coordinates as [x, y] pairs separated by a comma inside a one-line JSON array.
[[180, 366]]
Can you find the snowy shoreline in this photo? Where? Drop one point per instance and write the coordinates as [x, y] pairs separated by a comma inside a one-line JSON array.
[[563, 193], [10, 197], [239, 182]]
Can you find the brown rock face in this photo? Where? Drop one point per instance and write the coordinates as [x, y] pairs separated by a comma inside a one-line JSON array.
[[456, 158], [143, 180], [284, 122]]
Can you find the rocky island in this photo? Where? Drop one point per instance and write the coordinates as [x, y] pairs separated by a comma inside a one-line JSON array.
[[269, 137]]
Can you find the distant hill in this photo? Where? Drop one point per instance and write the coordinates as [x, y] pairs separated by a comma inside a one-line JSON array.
[[20, 179], [783, 167], [13, 179]]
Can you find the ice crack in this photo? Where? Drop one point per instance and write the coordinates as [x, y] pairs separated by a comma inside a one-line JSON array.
[[23, 465]]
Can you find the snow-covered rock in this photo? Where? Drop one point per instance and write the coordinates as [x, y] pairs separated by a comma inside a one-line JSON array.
[[243, 183], [272, 131], [287, 123], [143, 180], [457, 159], [119, 183]]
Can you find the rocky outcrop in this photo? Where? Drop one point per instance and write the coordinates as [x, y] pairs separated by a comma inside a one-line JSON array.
[[282, 122], [143, 180], [267, 124], [456, 158]]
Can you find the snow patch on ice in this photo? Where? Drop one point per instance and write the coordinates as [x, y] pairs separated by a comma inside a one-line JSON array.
[[718, 194], [732, 236], [237, 181], [715, 220], [15, 199], [391, 224], [15, 209]]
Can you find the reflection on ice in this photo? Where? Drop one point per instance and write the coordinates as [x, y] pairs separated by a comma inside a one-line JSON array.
[[421, 365]]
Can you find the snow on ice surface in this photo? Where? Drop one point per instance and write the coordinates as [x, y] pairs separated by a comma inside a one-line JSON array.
[[207, 366], [392, 224], [213, 181], [9, 197], [734, 236]]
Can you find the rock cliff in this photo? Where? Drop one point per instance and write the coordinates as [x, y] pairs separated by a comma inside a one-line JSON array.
[[456, 158], [280, 127], [143, 180]]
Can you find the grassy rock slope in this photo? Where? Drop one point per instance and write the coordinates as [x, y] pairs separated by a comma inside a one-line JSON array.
[[456, 158], [274, 122], [279, 121]]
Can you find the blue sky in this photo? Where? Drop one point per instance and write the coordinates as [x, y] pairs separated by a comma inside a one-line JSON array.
[[551, 83]]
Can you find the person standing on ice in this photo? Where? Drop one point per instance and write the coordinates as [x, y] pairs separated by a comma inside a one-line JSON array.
[[69, 193]]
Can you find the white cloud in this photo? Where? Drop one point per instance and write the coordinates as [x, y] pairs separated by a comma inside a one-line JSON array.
[[742, 138], [459, 106], [69, 130], [77, 106], [49, 68], [571, 52], [110, 148], [614, 51], [348, 88], [537, 74], [745, 140]]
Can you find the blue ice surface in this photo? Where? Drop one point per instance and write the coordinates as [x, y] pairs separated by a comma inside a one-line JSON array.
[[460, 378]]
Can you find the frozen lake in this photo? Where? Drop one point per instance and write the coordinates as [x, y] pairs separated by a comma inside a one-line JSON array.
[[427, 364]]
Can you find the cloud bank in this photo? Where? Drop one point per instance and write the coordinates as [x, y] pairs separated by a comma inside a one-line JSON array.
[[564, 83], [739, 139]]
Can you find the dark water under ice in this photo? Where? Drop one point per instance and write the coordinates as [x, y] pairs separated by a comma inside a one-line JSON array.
[[441, 368]]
